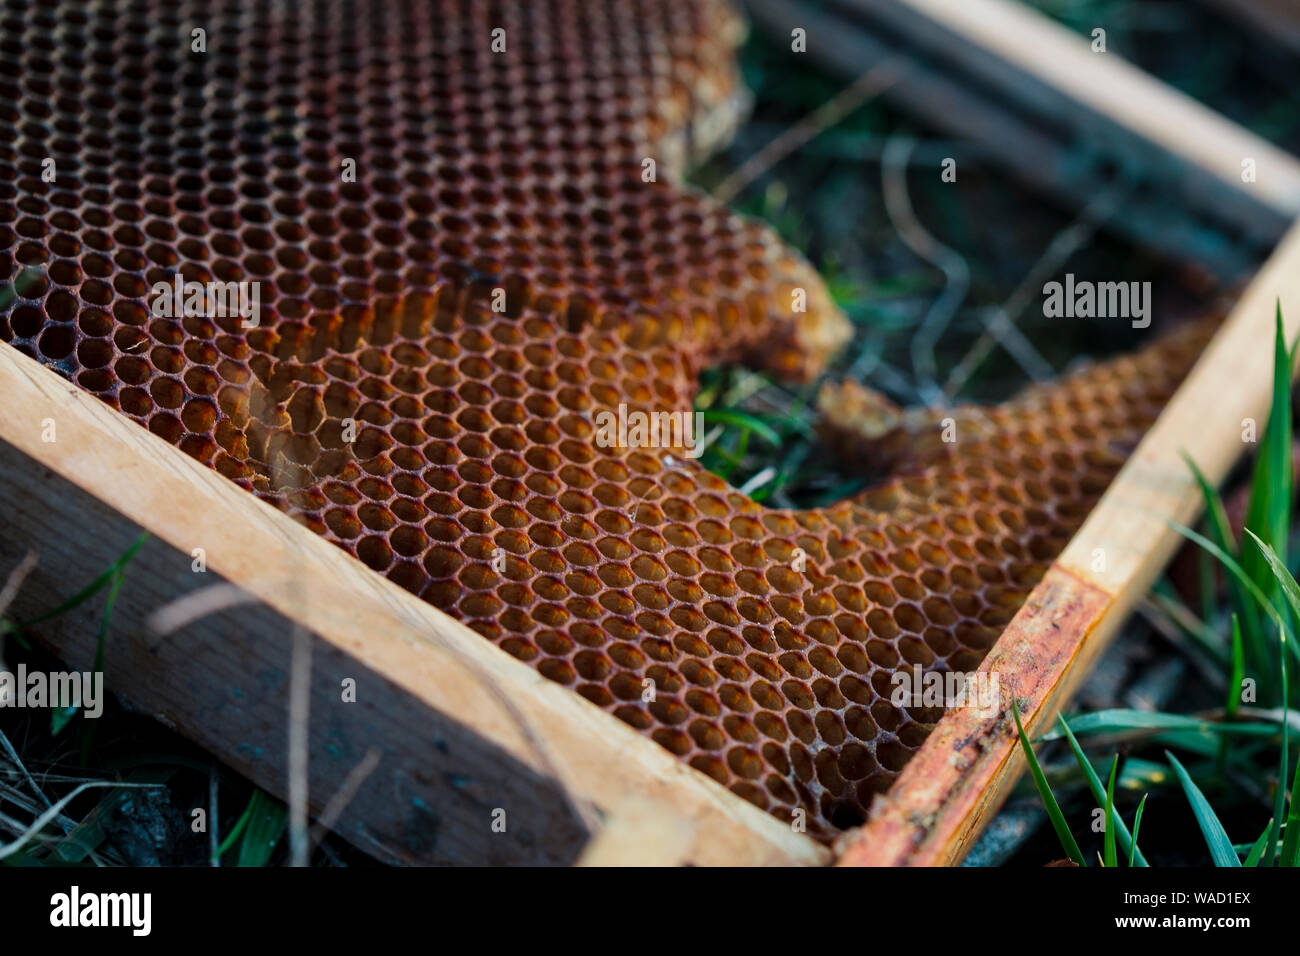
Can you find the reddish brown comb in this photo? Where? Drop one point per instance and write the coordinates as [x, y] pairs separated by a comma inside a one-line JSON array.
[[503, 269]]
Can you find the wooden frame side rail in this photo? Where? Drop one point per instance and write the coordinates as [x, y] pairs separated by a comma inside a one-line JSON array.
[[1030, 93], [1054, 73], [965, 769]]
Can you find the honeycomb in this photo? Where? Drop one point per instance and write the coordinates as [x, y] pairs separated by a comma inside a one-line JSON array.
[[438, 336]]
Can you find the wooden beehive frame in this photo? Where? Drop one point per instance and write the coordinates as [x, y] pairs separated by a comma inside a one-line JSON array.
[[462, 731]]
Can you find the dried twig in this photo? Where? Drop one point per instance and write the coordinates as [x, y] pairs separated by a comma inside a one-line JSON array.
[[12, 754], [186, 610], [339, 802], [1065, 244], [299, 707], [15, 581], [898, 205], [39, 824], [870, 84]]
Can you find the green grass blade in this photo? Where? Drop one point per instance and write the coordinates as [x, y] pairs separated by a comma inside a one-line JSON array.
[[88, 727], [1121, 720], [1213, 645], [1268, 515], [1135, 775], [1257, 851], [1045, 792], [266, 824], [1108, 851], [1137, 825], [1230, 563], [743, 420], [1269, 511], [1216, 515], [1207, 585], [1279, 797], [1200, 744], [1233, 702], [1291, 843], [85, 594], [1216, 837], [1099, 794], [1235, 568], [1280, 574], [237, 829], [60, 717], [1221, 533]]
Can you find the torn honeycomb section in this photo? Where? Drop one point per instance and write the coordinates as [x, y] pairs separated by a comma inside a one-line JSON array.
[[770, 637], [437, 338]]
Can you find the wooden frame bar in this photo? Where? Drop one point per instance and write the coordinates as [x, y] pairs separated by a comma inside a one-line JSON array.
[[1032, 92], [1053, 72]]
